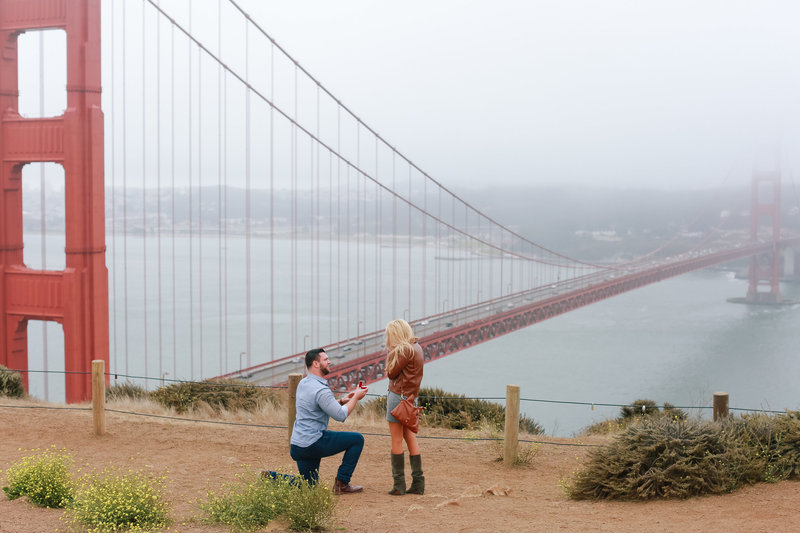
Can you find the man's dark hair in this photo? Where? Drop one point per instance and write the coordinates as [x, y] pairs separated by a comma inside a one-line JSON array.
[[313, 355]]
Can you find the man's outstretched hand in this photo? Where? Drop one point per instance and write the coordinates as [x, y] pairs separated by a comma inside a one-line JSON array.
[[358, 394]]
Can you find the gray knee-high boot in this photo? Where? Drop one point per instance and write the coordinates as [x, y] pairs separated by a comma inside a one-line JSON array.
[[417, 479], [399, 474]]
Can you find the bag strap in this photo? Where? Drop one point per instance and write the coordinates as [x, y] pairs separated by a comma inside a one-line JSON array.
[[409, 398]]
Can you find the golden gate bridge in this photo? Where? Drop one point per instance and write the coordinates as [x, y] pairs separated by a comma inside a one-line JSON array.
[[247, 214]]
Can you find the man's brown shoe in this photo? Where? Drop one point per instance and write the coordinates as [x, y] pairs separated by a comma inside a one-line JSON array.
[[345, 488]]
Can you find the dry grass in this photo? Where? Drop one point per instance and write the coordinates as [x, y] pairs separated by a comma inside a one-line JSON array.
[[266, 413]]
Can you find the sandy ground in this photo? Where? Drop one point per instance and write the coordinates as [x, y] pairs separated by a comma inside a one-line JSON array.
[[200, 456]]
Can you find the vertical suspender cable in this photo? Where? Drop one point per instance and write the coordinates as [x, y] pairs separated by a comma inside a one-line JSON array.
[[451, 253], [224, 165], [272, 205], [459, 263], [358, 230], [312, 312], [394, 237], [311, 248], [144, 190], [479, 277], [158, 199], [424, 275], [467, 286], [318, 238], [377, 292], [113, 295], [502, 262], [490, 252], [512, 261], [248, 296], [223, 331], [200, 207], [347, 292], [438, 259], [332, 236], [172, 209], [125, 186], [339, 224], [362, 206], [190, 159], [293, 163], [410, 246]]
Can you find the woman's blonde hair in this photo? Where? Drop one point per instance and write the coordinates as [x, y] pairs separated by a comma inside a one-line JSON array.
[[399, 336]]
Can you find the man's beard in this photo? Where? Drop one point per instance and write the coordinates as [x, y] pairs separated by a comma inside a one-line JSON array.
[[325, 371]]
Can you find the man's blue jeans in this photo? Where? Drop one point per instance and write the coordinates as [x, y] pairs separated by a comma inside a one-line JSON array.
[[330, 443]]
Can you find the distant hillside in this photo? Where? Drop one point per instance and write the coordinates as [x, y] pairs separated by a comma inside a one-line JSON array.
[[588, 223]]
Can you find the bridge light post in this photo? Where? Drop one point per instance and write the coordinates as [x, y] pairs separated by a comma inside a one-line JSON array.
[[305, 338], [241, 371], [444, 304], [406, 311]]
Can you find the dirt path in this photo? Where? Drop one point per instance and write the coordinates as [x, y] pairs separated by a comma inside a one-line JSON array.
[[200, 456]]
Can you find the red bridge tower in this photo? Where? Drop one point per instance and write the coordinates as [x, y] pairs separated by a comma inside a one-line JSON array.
[[765, 269], [76, 297]]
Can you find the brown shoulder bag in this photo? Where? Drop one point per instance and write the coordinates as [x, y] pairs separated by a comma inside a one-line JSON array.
[[407, 414]]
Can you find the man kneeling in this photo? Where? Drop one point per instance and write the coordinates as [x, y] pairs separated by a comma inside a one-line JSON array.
[[311, 439]]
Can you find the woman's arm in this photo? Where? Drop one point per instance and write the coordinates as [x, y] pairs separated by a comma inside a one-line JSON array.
[[397, 361]]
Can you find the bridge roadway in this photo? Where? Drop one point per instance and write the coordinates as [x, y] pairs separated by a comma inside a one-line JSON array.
[[362, 358]]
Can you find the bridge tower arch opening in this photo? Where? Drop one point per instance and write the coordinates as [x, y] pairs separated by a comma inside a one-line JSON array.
[[77, 296], [765, 269]]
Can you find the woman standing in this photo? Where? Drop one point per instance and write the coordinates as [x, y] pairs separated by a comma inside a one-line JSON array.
[[404, 362]]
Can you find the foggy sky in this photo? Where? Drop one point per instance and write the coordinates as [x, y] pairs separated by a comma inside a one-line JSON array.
[[613, 93]]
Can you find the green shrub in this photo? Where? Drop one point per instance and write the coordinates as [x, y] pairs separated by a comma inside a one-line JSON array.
[[635, 413], [657, 458], [638, 408], [248, 504], [43, 478], [117, 501], [227, 394], [771, 443], [126, 390], [676, 458], [11, 383], [310, 507], [454, 411], [252, 502]]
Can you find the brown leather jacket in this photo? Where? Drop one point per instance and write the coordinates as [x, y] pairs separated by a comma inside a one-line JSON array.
[[405, 372]]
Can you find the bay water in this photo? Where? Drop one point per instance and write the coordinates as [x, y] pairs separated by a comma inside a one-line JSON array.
[[676, 341]]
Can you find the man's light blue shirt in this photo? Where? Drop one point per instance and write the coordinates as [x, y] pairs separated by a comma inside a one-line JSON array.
[[315, 404]]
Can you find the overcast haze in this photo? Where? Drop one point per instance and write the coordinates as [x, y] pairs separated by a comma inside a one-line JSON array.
[[613, 93]]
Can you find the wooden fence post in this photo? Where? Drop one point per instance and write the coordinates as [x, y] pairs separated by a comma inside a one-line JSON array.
[[512, 424], [294, 380], [720, 405], [99, 396]]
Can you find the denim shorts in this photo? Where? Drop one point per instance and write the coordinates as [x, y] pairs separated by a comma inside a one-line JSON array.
[[392, 401]]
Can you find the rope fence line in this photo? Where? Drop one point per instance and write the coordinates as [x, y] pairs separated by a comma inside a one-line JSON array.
[[510, 440], [269, 426], [421, 397]]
